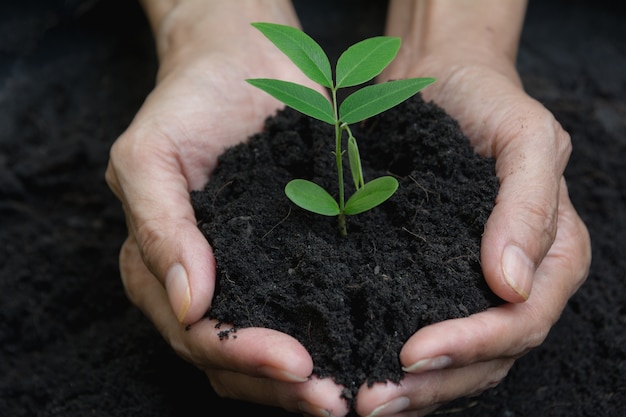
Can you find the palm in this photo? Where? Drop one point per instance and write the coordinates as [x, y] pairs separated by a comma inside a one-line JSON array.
[[198, 117]]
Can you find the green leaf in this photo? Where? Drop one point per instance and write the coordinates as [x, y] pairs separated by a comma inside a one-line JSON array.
[[299, 97], [366, 59], [372, 194], [355, 162], [301, 49], [374, 99], [312, 197]]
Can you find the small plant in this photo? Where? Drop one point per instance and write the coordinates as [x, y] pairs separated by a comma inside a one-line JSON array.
[[357, 65]]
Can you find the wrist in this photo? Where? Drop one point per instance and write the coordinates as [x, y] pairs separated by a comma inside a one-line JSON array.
[[443, 35], [187, 30]]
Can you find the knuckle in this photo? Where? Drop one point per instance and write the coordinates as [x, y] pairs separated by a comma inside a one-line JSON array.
[[539, 215], [563, 141], [110, 175], [494, 377], [538, 332], [131, 280], [222, 389], [150, 237]]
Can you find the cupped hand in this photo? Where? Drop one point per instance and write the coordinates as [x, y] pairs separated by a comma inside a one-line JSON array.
[[256, 365], [535, 251], [201, 105]]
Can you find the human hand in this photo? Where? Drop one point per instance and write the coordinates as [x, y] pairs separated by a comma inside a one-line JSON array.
[[201, 105], [533, 240]]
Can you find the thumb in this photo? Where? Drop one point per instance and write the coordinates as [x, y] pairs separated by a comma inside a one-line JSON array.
[[523, 223], [147, 177]]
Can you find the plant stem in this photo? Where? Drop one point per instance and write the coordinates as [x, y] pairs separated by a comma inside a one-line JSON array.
[[341, 217], [343, 230]]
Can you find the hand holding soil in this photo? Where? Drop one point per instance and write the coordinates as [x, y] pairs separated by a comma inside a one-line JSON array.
[[200, 106]]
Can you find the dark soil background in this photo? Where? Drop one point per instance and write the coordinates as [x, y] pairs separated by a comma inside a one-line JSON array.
[[72, 75]]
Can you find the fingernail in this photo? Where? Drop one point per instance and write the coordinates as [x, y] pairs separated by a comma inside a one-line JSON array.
[[313, 410], [518, 270], [394, 406], [177, 287], [431, 364], [281, 374]]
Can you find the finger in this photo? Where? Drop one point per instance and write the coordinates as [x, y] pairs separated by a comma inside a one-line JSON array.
[[316, 397], [148, 179], [254, 351], [423, 393], [510, 330], [522, 225]]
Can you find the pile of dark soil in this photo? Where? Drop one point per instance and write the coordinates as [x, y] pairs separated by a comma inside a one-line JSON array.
[[72, 75], [352, 301]]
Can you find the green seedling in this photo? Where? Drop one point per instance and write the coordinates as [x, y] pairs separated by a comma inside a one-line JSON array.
[[357, 65]]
